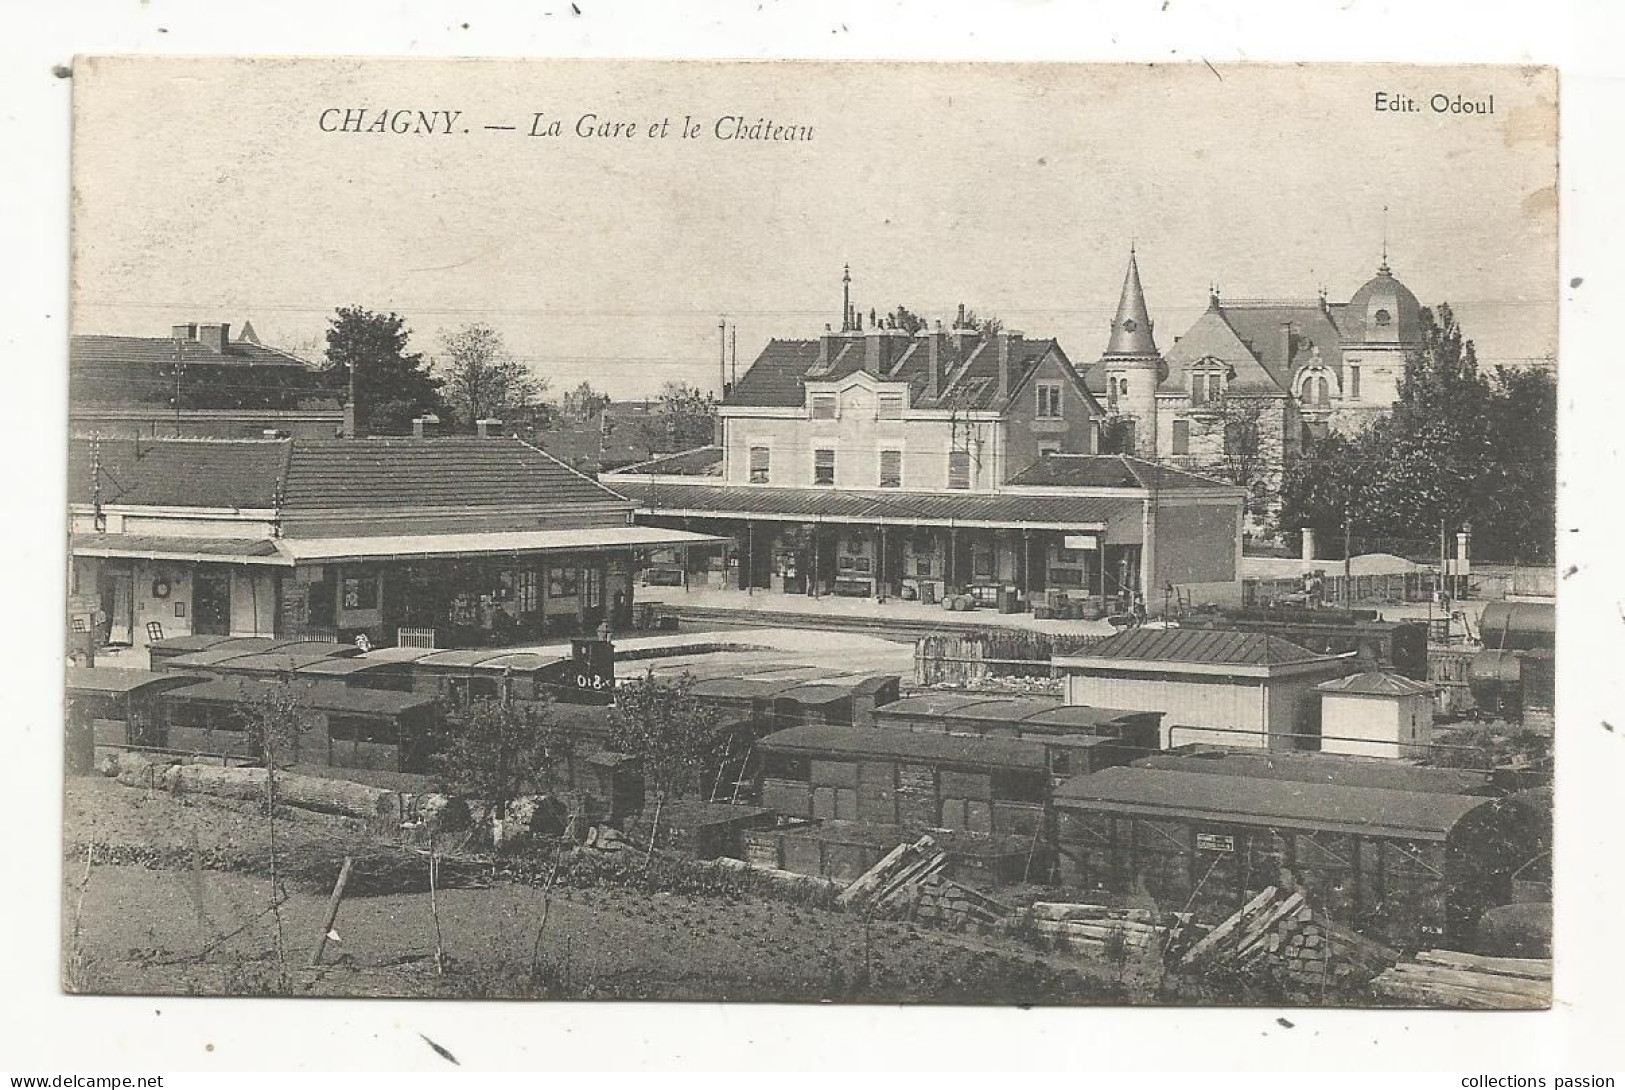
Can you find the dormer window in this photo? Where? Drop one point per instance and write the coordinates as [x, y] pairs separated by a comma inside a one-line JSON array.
[[1207, 381], [889, 406], [824, 406], [1383, 317]]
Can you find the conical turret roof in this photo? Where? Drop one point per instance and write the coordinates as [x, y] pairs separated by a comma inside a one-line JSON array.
[[1131, 328]]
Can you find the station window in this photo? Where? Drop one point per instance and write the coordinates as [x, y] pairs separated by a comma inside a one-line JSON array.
[[824, 466], [360, 589], [1354, 382], [824, 406], [889, 407], [1182, 436], [891, 469], [959, 469], [761, 464], [526, 591]]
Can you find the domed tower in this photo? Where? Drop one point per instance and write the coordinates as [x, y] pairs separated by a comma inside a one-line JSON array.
[[1132, 363], [1380, 326]]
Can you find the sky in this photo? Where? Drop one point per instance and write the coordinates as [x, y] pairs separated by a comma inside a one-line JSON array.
[[208, 190]]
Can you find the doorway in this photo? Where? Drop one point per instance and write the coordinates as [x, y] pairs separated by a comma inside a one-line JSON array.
[[211, 602], [117, 592]]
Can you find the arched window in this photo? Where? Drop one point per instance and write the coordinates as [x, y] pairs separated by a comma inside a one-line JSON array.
[[1322, 392]]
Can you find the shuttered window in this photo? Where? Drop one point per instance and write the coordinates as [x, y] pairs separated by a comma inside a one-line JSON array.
[[824, 466], [959, 469], [761, 461], [891, 469]]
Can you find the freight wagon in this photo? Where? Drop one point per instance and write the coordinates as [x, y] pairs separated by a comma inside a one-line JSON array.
[[1408, 857]]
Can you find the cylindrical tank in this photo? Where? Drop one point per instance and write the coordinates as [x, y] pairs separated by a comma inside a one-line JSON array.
[[1518, 626]]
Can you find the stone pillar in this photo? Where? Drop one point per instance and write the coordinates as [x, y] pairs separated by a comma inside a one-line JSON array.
[[1308, 543]]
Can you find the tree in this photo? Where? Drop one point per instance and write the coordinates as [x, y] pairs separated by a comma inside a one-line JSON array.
[[482, 379], [684, 418], [392, 386], [583, 403], [497, 750], [1243, 454], [1457, 449], [673, 734], [273, 716]]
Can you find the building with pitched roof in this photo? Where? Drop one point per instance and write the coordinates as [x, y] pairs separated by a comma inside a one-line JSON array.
[[1227, 688], [480, 540], [1253, 382], [884, 462], [198, 382]]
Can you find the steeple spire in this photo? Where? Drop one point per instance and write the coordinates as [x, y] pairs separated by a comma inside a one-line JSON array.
[[846, 298], [1383, 269], [1131, 328]]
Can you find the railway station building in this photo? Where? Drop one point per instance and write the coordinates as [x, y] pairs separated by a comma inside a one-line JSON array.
[[458, 541]]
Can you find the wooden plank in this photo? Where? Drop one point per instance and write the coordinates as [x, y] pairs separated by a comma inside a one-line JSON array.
[[1530, 968], [1254, 933], [1222, 932], [869, 879], [1488, 982], [1444, 995]]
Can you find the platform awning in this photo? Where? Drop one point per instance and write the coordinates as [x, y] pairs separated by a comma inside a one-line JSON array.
[[1117, 518], [209, 550], [302, 550]]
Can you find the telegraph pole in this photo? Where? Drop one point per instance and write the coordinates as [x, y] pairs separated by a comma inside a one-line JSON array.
[[180, 371]]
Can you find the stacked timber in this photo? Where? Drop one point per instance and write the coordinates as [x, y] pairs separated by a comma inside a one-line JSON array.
[[1280, 934], [891, 885], [1095, 929], [1445, 978], [941, 900]]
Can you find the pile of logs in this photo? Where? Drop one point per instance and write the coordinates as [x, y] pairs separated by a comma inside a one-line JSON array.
[[1280, 934], [1095, 929], [941, 900], [891, 885], [1445, 978]]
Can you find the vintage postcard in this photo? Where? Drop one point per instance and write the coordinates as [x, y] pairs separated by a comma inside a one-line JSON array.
[[858, 532]]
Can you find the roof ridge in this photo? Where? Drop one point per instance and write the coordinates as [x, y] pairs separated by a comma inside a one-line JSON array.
[[571, 469]]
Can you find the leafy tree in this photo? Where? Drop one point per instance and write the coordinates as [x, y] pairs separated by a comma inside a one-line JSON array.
[[1457, 448], [392, 386], [583, 403], [482, 379], [684, 418], [1116, 435], [497, 750], [673, 734], [1242, 455]]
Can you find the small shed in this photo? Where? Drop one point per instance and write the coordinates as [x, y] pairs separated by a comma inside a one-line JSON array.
[[1376, 714], [1231, 688]]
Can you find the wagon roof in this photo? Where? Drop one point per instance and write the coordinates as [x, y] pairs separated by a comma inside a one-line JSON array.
[[351, 701], [1324, 768], [924, 746], [117, 681], [1339, 808]]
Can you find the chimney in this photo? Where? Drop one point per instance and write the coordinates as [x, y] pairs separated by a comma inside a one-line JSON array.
[[186, 331], [1004, 340], [875, 346], [216, 335], [933, 362], [1286, 344], [488, 428], [959, 322], [426, 426]]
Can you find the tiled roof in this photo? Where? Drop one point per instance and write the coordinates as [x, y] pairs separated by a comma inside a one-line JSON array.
[[1213, 336], [1291, 803], [168, 547], [1200, 646], [776, 378], [699, 462], [359, 476], [1120, 516], [347, 477], [970, 381], [1259, 327], [180, 472], [124, 371], [1109, 471], [1376, 683]]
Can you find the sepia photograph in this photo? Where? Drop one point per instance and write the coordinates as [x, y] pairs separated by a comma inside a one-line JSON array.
[[1044, 534]]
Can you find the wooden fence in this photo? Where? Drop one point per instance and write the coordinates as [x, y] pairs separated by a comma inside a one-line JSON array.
[[1448, 669], [961, 659]]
